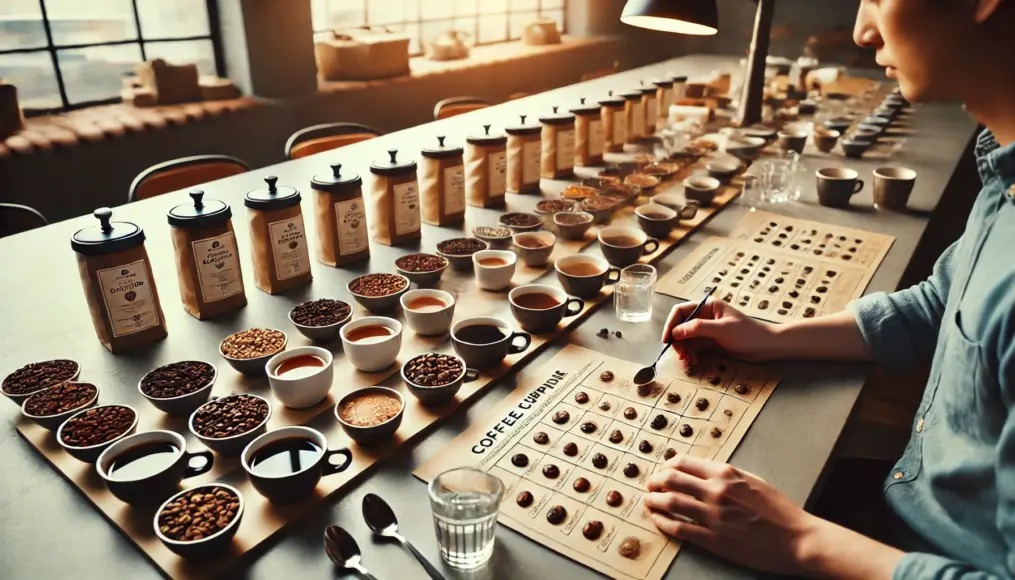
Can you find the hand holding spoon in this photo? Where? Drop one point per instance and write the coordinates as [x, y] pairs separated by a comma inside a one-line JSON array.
[[381, 519], [344, 551], [648, 374]]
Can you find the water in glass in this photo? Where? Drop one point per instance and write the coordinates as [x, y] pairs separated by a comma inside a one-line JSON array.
[[632, 296], [465, 503]]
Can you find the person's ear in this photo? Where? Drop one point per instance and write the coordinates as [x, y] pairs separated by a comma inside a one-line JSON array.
[[984, 9]]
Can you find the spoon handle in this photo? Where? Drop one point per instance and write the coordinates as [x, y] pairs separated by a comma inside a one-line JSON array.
[[708, 292], [363, 572], [430, 570]]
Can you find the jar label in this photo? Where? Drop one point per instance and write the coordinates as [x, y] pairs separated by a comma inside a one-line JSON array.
[[597, 136], [565, 150], [651, 112], [289, 247], [531, 154], [406, 207], [498, 173], [454, 190], [127, 294], [619, 127], [218, 268], [352, 226], [664, 104], [638, 123]]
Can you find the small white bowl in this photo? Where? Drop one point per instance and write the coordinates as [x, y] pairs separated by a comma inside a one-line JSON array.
[[303, 392], [429, 322], [376, 354], [494, 277]]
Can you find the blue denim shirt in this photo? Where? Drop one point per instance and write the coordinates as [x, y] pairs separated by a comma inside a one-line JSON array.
[[955, 483]]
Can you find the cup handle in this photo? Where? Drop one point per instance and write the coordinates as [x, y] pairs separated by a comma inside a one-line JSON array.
[[514, 348], [651, 242], [209, 460], [470, 375], [568, 311], [610, 278], [857, 186], [330, 468]]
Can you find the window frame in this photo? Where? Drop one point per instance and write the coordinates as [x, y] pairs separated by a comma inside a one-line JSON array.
[[140, 40]]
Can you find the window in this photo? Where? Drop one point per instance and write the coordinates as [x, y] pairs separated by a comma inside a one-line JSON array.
[[485, 21], [68, 54]]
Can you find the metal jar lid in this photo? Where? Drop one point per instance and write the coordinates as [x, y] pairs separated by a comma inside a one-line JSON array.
[[663, 83], [392, 166], [679, 78], [486, 138], [557, 118], [335, 182], [633, 95], [441, 151], [273, 197], [108, 237], [523, 129], [586, 110], [201, 213], [648, 89], [612, 101]]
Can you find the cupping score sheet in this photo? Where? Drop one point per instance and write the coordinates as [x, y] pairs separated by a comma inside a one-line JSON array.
[[578, 435]]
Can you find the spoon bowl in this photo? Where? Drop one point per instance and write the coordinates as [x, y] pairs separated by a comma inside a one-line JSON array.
[[380, 518], [343, 550]]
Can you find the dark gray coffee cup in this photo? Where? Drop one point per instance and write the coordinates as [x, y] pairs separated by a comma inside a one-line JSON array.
[[585, 286], [836, 185], [624, 256], [543, 320], [487, 356], [892, 187], [792, 141]]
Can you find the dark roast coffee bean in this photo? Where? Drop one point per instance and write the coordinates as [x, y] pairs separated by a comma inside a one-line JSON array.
[[644, 390], [551, 471], [59, 399], [588, 427], [673, 398], [321, 312], [581, 485], [715, 379], [631, 470], [198, 513], [727, 412], [686, 430], [715, 432], [520, 460], [230, 416], [593, 530], [524, 499], [556, 515], [599, 461], [606, 376], [177, 379], [616, 436], [96, 426], [701, 404], [541, 438], [670, 453], [659, 422], [630, 548], [34, 377], [645, 446], [614, 498], [570, 449], [434, 370], [604, 406], [581, 397], [630, 413], [742, 389], [561, 417]]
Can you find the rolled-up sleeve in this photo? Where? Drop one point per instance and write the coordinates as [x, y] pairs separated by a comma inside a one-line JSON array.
[[919, 566], [901, 328]]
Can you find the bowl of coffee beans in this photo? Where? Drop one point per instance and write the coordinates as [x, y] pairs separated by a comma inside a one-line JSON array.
[[226, 425], [320, 320], [51, 407], [423, 269], [36, 376], [180, 387], [199, 523], [89, 432], [459, 251], [499, 238], [378, 293], [434, 378], [521, 222], [248, 351]]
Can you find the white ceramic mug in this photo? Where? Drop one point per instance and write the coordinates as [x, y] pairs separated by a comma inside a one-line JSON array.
[[304, 391], [494, 277], [374, 354], [431, 321]]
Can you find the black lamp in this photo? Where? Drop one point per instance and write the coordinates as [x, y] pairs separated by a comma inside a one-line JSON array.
[[701, 17]]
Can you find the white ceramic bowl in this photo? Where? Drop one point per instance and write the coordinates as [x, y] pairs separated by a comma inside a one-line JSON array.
[[430, 322], [205, 548], [494, 277], [374, 354], [305, 391]]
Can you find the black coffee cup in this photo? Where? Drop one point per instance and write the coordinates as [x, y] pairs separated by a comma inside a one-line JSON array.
[[548, 307], [295, 482], [836, 185], [158, 484], [623, 255], [595, 273], [483, 342]]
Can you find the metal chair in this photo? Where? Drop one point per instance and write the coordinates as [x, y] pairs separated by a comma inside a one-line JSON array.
[[15, 218], [183, 173], [457, 106], [327, 137]]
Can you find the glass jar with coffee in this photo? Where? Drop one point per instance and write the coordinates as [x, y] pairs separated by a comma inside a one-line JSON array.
[[590, 136], [524, 152], [279, 238], [486, 168], [341, 217], [557, 159], [442, 184]]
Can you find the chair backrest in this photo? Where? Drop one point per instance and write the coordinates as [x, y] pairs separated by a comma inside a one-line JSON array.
[[183, 173], [598, 74], [457, 106], [516, 96], [15, 218], [326, 137]]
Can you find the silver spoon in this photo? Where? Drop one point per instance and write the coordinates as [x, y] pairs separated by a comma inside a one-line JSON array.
[[343, 550], [648, 374], [381, 519]]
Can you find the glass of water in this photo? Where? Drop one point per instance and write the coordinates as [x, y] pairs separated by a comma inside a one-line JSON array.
[[632, 296], [781, 178], [465, 502]]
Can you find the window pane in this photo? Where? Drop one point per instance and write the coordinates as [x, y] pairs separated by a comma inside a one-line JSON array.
[[493, 6], [381, 12], [432, 30], [557, 15], [468, 26], [197, 52], [94, 73], [78, 22], [549, 4], [21, 25], [32, 73], [162, 19], [337, 14], [492, 28], [410, 8], [523, 5], [412, 31], [433, 9], [465, 7], [519, 21]]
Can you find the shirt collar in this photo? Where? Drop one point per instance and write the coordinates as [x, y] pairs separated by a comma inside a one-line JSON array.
[[993, 160]]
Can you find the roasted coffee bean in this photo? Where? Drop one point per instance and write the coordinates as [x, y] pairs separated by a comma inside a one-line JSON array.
[[686, 430], [728, 412], [555, 205], [644, 390], [323, 312], [630, 413], [614, 498], [673, 398], [556, 515], [715, 380], [97, 426], [199, 513], [581, 485], [541, 438], [524, 499], [742, 389], [618, 334], [603, 333], [177, 379], [659, 422], [253, 343], [551, 471], [606, 376], [645, 446], [230, 416], [616, 436], [631, 470], [570, 449], [581, 397], [588, 427], [34, 377], [434, 369], [593, 530], [604, 406], [561, 417], [59, 399], [461, 246], [701, 404], [599, 461], [420, 263], [715, 432], [669, 453], [518, 219], [690, 371], [520, 460], [373, 285]]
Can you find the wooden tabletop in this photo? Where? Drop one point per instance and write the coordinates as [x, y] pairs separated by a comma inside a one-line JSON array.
[[50, 531]]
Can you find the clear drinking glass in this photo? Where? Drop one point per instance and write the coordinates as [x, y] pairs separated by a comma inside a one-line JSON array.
[[781, 178], [632, 296], [751, 196], [465, 502]]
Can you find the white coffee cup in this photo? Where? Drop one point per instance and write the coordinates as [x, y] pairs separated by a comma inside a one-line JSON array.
[[374, 354], [432, 321], [494, 277], [304, 391]]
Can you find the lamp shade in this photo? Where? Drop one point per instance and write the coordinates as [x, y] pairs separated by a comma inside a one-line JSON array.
[[698, 17]]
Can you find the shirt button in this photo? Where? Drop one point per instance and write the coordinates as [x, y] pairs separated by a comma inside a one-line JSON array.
[[898, 475], [919, 425]]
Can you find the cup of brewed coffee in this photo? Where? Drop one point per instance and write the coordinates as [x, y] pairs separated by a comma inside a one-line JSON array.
[[428, 312], [494, 268], [148, 467], [539, 308], [372, 343], [793, 140], [656, 220], [286, 464], [623, 246], [483, 342], [836, 185], [583, 275], [892, 187]]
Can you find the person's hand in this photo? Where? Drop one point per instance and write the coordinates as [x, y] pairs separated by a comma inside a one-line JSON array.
[[718, 325], [730, 512]]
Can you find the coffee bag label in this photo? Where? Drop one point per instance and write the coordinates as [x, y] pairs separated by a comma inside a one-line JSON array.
[[497, 166], [289, 247], [619, 127], [565, 149], [127, 294], [454, 189], [638, 123], [597, 137], [352, 226], [406, 208], [651, 111], [218, 267], [531, 153], [665, 102]]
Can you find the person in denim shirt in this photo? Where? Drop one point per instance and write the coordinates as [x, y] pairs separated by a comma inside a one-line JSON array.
[[955, 483]]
